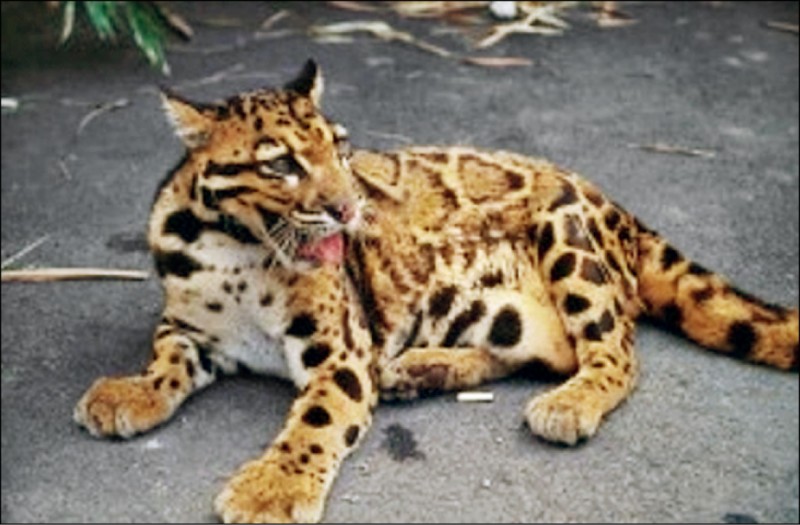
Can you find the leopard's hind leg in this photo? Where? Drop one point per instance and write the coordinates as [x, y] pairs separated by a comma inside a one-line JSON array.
[[125, 406], [591, 295]]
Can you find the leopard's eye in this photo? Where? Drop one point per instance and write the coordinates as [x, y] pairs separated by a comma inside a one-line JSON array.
[[282, 166]]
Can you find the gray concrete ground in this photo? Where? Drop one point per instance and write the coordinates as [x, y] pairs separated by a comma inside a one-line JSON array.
[[704, 438]]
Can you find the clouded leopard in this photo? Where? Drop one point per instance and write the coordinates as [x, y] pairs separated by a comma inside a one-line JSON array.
[[364, 274]]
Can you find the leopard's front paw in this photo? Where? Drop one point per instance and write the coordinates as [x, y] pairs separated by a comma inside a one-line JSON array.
[[121, 407], [563, 416], [263, 492]]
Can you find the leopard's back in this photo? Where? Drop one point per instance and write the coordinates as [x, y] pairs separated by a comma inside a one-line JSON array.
[[466, 218]]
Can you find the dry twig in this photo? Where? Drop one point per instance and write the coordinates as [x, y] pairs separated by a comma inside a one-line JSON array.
[[783, 26], [267, 24], [354, 6], [36, 275], [611, 17], [24, 251], [539, 19], [434, 9], [99, 110], [498, 62], [378, 29], [660, 147]]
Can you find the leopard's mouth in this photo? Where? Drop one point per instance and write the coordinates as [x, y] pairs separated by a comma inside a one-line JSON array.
[[328, 249]]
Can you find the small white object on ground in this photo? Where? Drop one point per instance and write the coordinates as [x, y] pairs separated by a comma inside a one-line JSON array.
[[504, 10], [475, 397]]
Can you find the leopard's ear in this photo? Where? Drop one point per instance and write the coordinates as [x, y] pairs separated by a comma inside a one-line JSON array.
[[309, 82], [193, 122]]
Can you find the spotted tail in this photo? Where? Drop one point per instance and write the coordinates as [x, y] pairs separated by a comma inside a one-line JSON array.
[[710, 311]]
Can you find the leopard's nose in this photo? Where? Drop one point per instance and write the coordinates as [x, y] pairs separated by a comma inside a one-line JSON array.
[[343, 212]]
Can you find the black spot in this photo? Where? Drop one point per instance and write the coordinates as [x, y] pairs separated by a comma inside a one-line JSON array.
[[490, 280], [741, 338], [568, 196], [594, 231], [703, 294], [592, 271], [606, 323], [612, 219], [347, 333], [236, 104], [357, 273], [545, 241], [190, 370], [205, 362], [441, 301], [315, 449], [400, 443], [317, 416], [266, 299], [229, 169], [531, 232], [351, 435], [157, 383], [624, 234], [591, 332], [348, 382], [575, 233], [506, 328], [232, 227], [575, 304], [563, 267], [315, 355], [696, 269], [595, 198], [414, 333], [175, 263], [208, 198], [303, 325], [269, 218], [214, 306], [515, 180], [672, 316], [612, 262], [183, 325], [258, 124], [670, 257], [463, 321]]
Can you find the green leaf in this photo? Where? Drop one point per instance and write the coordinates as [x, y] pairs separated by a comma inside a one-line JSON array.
[[148, 33], [102, 16]]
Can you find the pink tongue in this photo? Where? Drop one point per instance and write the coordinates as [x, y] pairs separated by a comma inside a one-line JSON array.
[[328, 249]]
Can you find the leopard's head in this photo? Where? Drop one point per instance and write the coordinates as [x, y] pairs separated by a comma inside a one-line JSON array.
[[275, 164]]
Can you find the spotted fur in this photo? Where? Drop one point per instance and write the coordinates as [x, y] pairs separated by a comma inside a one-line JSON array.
[[395, 274]]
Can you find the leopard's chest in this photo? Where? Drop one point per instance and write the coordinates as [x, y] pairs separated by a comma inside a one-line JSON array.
[[234, 299]]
